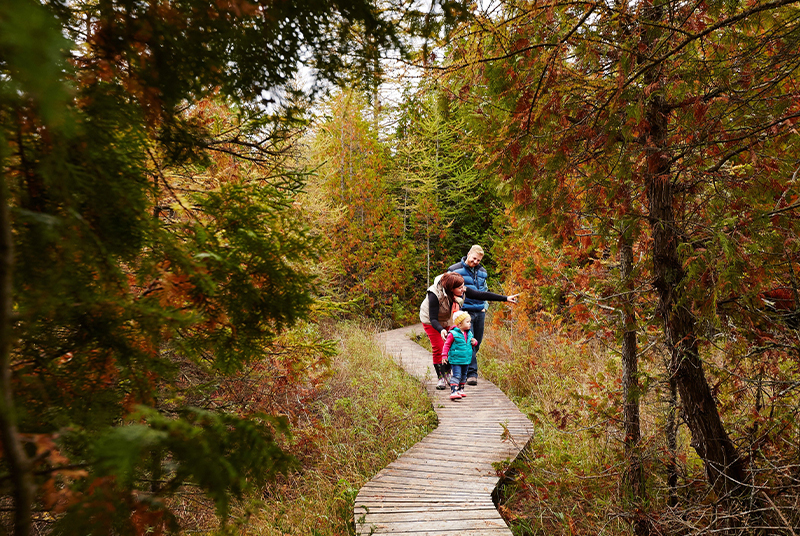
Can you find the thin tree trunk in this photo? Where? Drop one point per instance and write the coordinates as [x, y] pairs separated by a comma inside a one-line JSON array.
[[428, 248], [672, 443], [19, 464], [724, 466], [342, 167], [405, 200], [376, 94], [633, 480]]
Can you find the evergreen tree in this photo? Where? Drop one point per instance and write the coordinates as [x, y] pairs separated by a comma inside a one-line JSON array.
[[668, 128], [441, 189], [115, 272]]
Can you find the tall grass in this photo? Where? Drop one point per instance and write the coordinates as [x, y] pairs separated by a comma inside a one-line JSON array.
[[565, 481], [366, 414]]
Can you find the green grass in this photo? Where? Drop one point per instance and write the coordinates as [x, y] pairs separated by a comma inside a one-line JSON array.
[[366, 415], [368, 412], [568, 480]]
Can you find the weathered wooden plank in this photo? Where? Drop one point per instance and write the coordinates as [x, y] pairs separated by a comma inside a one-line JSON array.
[[433, 504], [442, 467], [413, 477], [418, 477], [421, 451], [459, 513], [446, 531], [409, 522], [437, 526], [383, 490], [457, 439], [485, 453], [463, 443], [443, 484], [447, 515]]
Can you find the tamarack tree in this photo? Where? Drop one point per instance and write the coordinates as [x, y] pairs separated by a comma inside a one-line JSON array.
[[371, 261]]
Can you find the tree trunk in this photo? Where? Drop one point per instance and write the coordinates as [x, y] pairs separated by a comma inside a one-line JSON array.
[[19, 465], [428, 249], [724, 467], [633, 479], [672, 443]]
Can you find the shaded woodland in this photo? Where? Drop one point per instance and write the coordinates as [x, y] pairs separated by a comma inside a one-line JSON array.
[[206, 209]]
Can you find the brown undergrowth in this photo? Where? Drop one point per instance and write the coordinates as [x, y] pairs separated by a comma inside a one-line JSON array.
[[566, 480]]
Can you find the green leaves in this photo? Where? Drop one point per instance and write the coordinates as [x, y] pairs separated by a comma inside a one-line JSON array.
[[123, 274], [251, 281], [223, 454], [34, 51], [139, 465], [437, 178]]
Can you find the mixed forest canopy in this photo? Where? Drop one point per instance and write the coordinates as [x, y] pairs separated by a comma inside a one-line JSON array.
[[181, 210]]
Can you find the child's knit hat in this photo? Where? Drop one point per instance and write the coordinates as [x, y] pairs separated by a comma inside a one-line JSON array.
[[459, 317]]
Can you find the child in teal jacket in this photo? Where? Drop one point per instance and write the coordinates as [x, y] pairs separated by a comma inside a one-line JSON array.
[[457, 351]]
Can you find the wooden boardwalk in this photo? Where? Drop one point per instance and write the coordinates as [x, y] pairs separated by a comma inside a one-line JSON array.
[[443, 485]]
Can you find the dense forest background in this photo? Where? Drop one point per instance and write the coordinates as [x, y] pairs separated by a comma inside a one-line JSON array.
[[206, 210]]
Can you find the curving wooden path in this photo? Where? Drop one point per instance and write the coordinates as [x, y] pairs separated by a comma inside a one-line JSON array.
[[443, 485]]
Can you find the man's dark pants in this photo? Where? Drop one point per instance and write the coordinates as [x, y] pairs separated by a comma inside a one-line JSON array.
[[478, 320]]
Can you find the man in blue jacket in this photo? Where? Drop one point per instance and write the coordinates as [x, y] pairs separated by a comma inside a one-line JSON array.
[[474, 277]]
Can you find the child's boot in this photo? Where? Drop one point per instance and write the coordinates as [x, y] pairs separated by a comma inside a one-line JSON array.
[[454, 394], [461, 390], [442, 383]]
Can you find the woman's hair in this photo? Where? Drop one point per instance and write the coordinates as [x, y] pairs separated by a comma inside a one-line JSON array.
[[450, 281]]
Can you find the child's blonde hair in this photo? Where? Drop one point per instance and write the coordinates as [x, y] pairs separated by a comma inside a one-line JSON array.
[[459, 317]]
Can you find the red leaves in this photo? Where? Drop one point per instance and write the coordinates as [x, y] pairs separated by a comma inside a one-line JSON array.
[[238, 7], [560, 418], [521, 43], [780, 299], [699, 110]]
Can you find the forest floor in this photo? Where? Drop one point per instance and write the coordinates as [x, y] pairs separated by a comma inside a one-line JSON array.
[[369, 411]]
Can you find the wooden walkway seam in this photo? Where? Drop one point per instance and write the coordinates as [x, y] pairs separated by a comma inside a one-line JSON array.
[[443, 485]]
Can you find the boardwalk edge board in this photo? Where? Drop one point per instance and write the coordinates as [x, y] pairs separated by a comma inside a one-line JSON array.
[[443, 485]]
